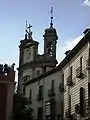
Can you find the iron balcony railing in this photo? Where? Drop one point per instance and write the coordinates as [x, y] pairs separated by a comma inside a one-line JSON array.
[[67, 113], [51, 93], [69, 80], [74, 116], [61, 87], [77, 108]]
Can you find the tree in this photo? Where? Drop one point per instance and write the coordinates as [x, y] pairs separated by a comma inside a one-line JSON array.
[[21, 109]]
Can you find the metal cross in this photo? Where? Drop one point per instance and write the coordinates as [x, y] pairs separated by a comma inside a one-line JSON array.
[[29, 28]]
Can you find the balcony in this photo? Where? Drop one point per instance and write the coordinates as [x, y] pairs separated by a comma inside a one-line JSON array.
[[26, 78], [88, 64], [87, 109], [74, 116], [61, 87], [29, 100], [51, 93], [39, 97], [67, 113], [79, 73], [69, 80], [77, 108]]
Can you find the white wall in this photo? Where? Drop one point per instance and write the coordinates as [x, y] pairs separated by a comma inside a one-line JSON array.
[[46, 82], [78, 83]]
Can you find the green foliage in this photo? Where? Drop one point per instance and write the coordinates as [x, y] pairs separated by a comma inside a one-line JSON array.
[[21, 109]]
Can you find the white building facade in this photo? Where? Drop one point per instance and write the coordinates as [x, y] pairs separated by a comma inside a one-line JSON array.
[[76, 72], [44, 95]]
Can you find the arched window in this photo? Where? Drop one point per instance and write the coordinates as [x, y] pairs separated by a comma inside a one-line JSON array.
[[49, 48]]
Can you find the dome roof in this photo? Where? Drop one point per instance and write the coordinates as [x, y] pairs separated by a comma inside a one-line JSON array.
[[51, 29]]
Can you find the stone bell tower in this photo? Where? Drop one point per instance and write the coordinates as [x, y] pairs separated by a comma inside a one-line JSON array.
[[28, 51], [32, 64], [50, 41]]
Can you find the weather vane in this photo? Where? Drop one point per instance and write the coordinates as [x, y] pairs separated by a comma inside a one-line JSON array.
[[51, 24], [28, 31]]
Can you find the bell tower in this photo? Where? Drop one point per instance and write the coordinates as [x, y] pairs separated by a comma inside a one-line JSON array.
[[50, 39], [28, 50]]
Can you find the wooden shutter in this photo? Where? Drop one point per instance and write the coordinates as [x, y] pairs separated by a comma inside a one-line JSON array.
[[40, 113], [71, 72], [69, 105], [89, 58], [30, 95], [89, 90], [24, 90], [41, 92], [82, 101], [89, 54], [81, 64], [52, 86]]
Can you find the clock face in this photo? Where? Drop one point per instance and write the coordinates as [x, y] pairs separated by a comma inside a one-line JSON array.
[[27, 55]]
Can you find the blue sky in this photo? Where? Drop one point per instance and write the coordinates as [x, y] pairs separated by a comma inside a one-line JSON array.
[[71, 18]]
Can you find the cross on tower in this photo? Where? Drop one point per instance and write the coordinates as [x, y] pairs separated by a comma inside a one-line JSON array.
[[29, 27], [28, 31]]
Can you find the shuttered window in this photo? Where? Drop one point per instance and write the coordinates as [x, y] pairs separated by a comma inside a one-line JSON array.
[[30, 95], [70, 104], [41, 92], [82, 100], [39, 113], [89, 90], [24, 90], [52, 86], [81, 64]]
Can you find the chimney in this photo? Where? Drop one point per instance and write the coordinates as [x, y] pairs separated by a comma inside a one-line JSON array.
[[67, 52]]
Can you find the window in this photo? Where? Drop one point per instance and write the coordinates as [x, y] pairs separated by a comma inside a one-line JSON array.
[[89, 54], [52, 86], [62, 77], [40, 92], [30, 96], [81, 64], [82, 99], [26, 78], [69, 104], [23, 90], [71, 71], [89, 90], [79, 73], [49, 48], [37, 72], [69, 78], [61, 85], [39, 116], [44, 68]]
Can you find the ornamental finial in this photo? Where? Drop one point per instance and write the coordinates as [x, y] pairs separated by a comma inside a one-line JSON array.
[[51, 24]]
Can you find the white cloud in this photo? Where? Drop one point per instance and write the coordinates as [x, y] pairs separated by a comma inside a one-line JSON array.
[[67, 45], [86, 3]]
